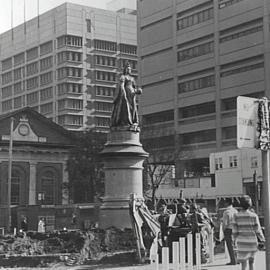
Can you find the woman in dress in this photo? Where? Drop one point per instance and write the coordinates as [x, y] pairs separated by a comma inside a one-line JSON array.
[[246, 231], [125, 108]]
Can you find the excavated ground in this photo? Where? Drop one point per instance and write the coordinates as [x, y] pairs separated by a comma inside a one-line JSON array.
[[68, 248]]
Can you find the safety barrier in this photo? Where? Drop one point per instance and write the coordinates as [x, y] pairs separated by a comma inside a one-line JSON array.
[[182, 254]]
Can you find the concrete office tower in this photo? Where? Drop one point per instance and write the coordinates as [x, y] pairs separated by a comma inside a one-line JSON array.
[[196, 58], [65, 64]]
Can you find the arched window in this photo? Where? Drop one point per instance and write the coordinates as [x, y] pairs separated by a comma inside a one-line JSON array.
[[47, 187]]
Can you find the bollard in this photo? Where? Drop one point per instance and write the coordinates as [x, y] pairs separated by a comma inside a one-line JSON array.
[[211, 246], [14, 231], [190, 251], [154, 261], [165, 258], [182, 242], [175, 254], [198, 251]]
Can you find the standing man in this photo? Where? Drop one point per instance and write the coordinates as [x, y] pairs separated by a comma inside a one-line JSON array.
[[227, 220]]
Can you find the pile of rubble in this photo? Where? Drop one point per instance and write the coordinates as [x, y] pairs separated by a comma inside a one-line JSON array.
[[81, 246]]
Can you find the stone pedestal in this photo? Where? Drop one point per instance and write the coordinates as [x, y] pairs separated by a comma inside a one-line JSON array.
[[123, 158]]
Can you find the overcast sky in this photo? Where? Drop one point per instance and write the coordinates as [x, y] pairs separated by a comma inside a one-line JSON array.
[[31, 9]]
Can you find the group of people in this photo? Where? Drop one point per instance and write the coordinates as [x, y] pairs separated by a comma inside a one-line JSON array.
[[242, 230]]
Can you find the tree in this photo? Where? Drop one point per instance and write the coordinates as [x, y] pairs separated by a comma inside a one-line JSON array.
[[85, 169]]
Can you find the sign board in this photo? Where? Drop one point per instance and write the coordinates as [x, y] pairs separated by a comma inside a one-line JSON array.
[[247, 120]]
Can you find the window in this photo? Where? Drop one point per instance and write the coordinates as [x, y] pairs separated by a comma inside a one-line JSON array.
[[69, 72], [46, 108], [228, 104], [18, 88], [64, 88], [46, 93], [32, 83], [254, 162], [7, 77], [226, 3], [76, 120], [159, 142], [75, 104], [6, 64], [17, 102], [197, 110], [105, 76], [105, 45], [17, 73], [47, 187], [103, 106], [88, 43], [73, 41], [61, 104], [105, 91], [218, 163], [233, 161], [128, 49], [7, 91], [88, 25], [105, 60], [229, 133], [32, 98], [6, 105], [46, 63], [32, 68], [242, 69], [158, 117], [102, 121], [133, 63], [32, 54], [195, 51], [195, 18], [46, 48], [15, 190], [196, 84], [19, 59], [198, 137], [46, 78]]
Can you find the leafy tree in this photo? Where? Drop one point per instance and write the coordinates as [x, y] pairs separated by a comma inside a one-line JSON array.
[[84, 166]]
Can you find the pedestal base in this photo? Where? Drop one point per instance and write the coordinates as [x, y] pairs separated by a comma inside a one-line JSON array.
[[123, 157]]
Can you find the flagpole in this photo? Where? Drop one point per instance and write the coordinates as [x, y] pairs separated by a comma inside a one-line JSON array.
[[10, 174]]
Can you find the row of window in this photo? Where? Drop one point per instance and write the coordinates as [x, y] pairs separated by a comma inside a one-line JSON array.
[[103, 106], [69, 72], [195, 51], [105, 91], [233, 162], [241, 69], [39, 80], [227, 3], [159, 142], [102, 122], [105, 45], [65, 88], [196, 84], [70, 120], [195, 18], [67, 40], [105, 76], [158, 117], [31, 54], [74, 104], [69, 56], [197, 110]]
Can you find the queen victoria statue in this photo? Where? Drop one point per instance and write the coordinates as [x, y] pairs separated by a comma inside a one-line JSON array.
[[125, 113]]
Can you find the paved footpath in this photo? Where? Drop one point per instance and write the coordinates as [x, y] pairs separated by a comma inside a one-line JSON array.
[[218, 264]]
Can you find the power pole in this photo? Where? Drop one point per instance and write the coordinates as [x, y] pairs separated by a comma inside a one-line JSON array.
[[10, 174], [256, 192]]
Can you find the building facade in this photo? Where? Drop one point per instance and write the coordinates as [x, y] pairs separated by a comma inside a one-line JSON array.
[[196, 57], [65, 64], [38, 157]]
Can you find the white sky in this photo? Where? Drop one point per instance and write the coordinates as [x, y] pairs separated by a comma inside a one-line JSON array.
[[31, 9]]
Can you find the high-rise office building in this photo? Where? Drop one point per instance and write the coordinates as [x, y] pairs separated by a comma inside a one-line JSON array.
[[196, 58], [65, 64]]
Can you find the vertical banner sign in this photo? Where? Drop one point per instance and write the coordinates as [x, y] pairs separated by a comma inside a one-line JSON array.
[[247, 120]]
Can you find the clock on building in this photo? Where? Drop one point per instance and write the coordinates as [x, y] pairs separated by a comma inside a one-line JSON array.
[[23, 130]]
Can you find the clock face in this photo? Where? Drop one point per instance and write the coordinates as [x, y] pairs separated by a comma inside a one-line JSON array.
[[23, 130]]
